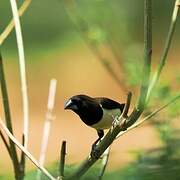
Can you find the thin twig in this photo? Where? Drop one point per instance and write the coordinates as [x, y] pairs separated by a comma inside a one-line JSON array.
[[47, 124], [149, 116], [105, 158], [24, 150], [22, 71], [62, 159], [165, 50], [10, 26], [128, 103], [5, 98]]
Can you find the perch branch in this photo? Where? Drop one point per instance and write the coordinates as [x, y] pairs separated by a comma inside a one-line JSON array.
[[47, 124], [149, 116], [10, 26], [24, 150], [165, 50], [62, 159]]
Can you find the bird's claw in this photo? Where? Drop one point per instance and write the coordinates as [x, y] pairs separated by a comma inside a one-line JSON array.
[[122, 123], [116, 121], [95, 153]]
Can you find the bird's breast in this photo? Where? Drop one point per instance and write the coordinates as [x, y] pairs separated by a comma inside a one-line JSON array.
[[107, 119]]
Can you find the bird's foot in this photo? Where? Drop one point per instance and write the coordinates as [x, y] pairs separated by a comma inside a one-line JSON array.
[[116, 121], [122, 123], [95, 153]]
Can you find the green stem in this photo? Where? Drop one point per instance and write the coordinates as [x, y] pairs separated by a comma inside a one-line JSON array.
[[150, 115], [147, 54], [62, 159], [5, 98], [166, 49]]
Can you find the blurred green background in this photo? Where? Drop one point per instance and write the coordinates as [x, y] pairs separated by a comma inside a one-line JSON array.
[[54, 48]]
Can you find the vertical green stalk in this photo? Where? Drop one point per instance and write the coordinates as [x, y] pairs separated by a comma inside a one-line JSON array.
[[62, 159], [147, 54], [166, 48], [147, 64], [5, 98]]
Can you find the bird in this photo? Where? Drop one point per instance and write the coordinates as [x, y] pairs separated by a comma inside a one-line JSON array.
[[98, 112]]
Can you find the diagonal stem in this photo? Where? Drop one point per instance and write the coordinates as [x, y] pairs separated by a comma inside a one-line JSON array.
[[79, 24], [24, 150], [149, 116], [10, 26]]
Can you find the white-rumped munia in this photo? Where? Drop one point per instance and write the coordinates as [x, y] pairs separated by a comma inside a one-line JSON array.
[[98, 113]]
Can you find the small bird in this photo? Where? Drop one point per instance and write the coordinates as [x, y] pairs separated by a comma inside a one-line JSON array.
[[98, 113]]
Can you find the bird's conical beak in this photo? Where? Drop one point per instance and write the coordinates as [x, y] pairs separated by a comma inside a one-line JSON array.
[[68, 104]]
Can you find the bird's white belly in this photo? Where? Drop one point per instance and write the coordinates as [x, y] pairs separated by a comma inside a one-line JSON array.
[[107, 119]]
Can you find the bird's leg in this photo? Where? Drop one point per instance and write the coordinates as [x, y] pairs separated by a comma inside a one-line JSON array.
[[94, 152]]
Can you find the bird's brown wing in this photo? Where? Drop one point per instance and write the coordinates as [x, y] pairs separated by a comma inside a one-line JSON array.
[[107, 103]]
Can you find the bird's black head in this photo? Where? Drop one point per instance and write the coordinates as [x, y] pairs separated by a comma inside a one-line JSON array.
[[86, 107], [75, 103]]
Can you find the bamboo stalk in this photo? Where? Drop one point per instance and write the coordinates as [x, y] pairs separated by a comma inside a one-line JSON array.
[[47, 124], [25, 103], [22, 71]]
